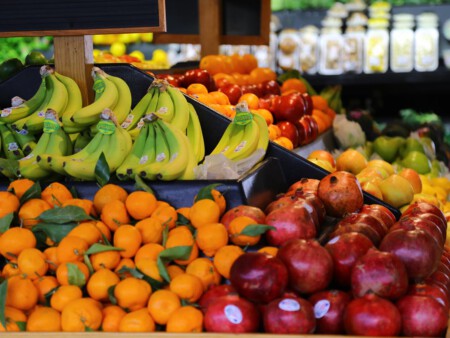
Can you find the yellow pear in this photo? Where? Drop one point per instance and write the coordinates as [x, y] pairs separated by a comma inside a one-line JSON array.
[[396, 190], [382, 164], [352, 161]]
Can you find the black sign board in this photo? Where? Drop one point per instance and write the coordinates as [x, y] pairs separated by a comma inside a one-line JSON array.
[[80, 17]]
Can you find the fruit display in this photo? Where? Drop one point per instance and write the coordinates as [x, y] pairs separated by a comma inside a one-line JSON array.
[[123, 260]]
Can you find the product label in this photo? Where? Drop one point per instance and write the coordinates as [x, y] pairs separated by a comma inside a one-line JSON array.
[[127, 121], [242, 118], [106, 127], [333, 240], [143, 159], [160, 157], [22, 132], [173, 157], [6, 112], [99, 86], [13, 146], [321, 308], [290, 305], [50, 126], [233, 314], [163, 110], [240, 146]]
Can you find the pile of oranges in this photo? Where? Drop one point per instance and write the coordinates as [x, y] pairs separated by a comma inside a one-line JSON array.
[[135, 264]]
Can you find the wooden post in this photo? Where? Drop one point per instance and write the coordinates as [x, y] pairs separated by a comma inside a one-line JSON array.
[[74, 58], [210, 23]]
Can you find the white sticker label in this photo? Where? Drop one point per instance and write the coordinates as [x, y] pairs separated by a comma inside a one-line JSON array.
[[333, 240], [240, 146], [290, 305], [6, 112], [23, 132], [140, 123], [125, 124], [173, 157], [41, 114], [321, 308], [13, 146], [143, 159], [160, 157], [163, 110], [233, 314]]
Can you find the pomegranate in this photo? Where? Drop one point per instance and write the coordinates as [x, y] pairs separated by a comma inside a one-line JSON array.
[[362, 228], [293, 200], [413, 222], [329, 307], [381, 273], [341, 193], [289, 315], [367, 219], [421, 207], [243, 210], [232, 314], [372, 315], [258, 277], [434, 219], [430, 290], [416, 249], [422, 316], [310, 266], [381, 212], [214, 292], [304, 186], [345, 250]]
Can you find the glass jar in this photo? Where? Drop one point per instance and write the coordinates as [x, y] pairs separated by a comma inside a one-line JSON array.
[[402, 46], [331, 51], [376, 46], [354, 49], [309, 51], [426, 41], [288, 48]]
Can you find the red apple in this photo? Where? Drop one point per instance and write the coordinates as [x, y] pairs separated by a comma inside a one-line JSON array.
[[290, 107], [308, 103], [289, 130], [270, 87], [233, 91], [308, 129], [172, 79], [198, 76], [251, 88]]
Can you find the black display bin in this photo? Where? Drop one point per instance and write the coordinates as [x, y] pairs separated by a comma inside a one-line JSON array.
[[293, 166]]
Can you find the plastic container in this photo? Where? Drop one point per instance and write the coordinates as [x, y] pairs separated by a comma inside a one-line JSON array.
[[426, 41], [402, 46], [331, 47], [309, 51], [376, 47], [354, 49], [288, 49]]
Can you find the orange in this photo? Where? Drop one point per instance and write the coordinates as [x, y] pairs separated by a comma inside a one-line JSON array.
[[140, 204], [319, 103], [162, 304], [108, 193], [149, 267], [128, 238], [166, 214], [204, 211], [284, 142], [225, 257], [196, 88], [21, 293], [112, 314], [174, 270], [262, 74], [185, 319], [204, 269], [73, 273], [132, 293], [240, 79], [31, 210], [160, 203], [324, 121], [204, 98], [64, 295], [274, 132], [44, 285], [269, 250], [237, 225], [211, 237], [293, 84], [238, 63], [266, 114], [106, 232], [184, 211], [124, 262], [56, 194], [219, 97], [150, 251], [88, 231], [114, 214], [219, 198], [181, 236], [81, 314], [20, 186], [51, 257], [84, 204], [251, 99], [150, 229], [44, 319], [188, 287], [12, 317], [71, 249], [137, 321], [10, 203], [31, 262], [99, 283], [249, 62], [213, 64], [320, 154], [14, 240], [10, 269], [105, 260]]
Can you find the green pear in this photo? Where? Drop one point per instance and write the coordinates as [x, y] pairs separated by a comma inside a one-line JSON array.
[[387, 147], [410, 144], [418, 161], [368, 149], [396, 190]]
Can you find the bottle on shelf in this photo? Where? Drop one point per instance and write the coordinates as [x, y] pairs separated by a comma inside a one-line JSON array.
[[309, 51], [331, 47], [426, 40], [376, 46], [354, 49], [402, 43]]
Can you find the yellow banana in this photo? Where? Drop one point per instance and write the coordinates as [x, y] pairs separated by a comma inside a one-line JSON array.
[[248, 142], [188, 173], [123, 105], [164, 107], [180, 117], [138, 111], [195, 134], [75, 99], [11, 148]]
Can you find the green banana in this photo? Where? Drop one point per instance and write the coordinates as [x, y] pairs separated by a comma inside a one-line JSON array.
[[119, 147], [164, 107], [151, 108], [179, 150], [107, 97], [195, 134], [149, 152], [125, 170], [28, 163], [27, 142], [123, 106], [180, 117], [75, 99], [248, 143], [11, 147], [139, 110], [81, 141], [12, 114]]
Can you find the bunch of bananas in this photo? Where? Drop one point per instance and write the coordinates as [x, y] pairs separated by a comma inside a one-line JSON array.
[[244, 136]]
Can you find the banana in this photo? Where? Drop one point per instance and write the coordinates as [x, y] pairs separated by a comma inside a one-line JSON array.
[[236, 137], [263, 141], [118, 149], [75, 99], [12, 114], [151, 108], [248, 143], [11, 147], [81, 141], [181, 108], [150, 169], [188, 173], [139, 110], [224, 140], [57, 102], [149, 152], [123, 106], [106, 97], [27, 142], [195, 134], [164, 107], [125, 170]]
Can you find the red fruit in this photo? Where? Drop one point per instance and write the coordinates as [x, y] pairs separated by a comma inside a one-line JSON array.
[[258, 277], [289, 315], [172, 79], [308, 129], [251, 88], [232, 314], [214, 292], [362, 228], [365, 218], [429, 290], [308, 103], [421, 207], [243, 210], [413, 222], [293, 221], [310, 266], [289, 130], [198, 76], [380, 212], [304, 185], [233, 91], [372, 316], [381, 273], [434, 219], [270, 87], [290, 107], [317, 204], [416, 249], [329, 307], [345, 250], [297, 200], [422, 316], [341, 193]]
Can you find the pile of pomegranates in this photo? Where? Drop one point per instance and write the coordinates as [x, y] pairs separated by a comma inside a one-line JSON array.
[[342, 267]]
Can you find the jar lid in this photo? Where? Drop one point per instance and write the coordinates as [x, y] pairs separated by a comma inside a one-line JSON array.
[[378, 23], [404, 25], [403, 17], [331, 22], [380, 5], [380, 14]]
